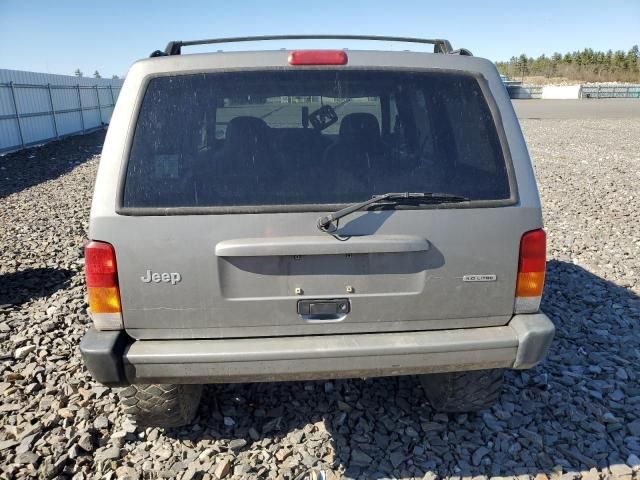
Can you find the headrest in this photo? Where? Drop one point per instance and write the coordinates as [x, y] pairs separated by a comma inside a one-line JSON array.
[[360, 126], [243, 130]]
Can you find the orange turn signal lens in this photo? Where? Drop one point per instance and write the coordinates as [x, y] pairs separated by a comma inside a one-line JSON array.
[[530, 284], [104, 299]]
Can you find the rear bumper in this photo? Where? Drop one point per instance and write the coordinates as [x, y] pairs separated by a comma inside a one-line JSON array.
[[519, 345]]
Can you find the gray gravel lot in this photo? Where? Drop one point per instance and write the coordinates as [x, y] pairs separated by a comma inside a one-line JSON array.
[[576, 415]]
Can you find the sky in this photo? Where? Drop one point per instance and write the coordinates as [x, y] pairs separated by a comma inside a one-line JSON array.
[[58, 36]]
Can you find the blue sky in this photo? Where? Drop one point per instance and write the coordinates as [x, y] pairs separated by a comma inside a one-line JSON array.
[[58, 36]]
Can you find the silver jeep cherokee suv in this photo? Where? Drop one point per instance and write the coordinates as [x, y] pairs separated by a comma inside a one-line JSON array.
[[311, 214]]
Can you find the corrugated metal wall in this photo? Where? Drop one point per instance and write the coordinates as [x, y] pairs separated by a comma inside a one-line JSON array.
[[38, 107]]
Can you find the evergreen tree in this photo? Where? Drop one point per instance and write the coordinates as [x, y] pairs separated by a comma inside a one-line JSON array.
[[632, 59]]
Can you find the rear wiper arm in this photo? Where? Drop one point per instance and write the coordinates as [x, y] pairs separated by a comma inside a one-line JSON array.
[[324, 223]]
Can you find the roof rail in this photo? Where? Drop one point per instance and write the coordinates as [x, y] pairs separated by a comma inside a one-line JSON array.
[[175, 47]]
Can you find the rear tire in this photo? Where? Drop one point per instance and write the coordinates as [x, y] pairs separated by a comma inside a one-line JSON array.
[[161, 405], [458, 392]]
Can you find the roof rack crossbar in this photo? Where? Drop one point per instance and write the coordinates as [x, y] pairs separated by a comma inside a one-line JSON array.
[[175, 47]]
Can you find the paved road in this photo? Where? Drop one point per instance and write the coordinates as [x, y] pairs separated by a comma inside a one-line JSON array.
[[578, 109]]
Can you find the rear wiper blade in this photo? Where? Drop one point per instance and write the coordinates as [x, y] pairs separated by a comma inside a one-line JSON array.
[[324, 223]]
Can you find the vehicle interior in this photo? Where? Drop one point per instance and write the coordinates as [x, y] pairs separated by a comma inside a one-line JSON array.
[[314, 137]]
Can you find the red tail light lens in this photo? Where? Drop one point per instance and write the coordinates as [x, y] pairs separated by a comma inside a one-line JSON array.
[[531, 271], [318, 57], [102, 284], [100, 265], [533, 252]]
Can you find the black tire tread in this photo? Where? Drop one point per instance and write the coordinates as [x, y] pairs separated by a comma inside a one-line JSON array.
[[161, 405], [458, 392]]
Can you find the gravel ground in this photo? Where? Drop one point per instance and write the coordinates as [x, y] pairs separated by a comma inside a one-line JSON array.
[[576, 415]]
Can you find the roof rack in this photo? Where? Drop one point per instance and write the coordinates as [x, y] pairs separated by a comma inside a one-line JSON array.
[[439, 45]]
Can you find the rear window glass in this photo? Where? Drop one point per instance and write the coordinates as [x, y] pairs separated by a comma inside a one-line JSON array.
[[311, 137]]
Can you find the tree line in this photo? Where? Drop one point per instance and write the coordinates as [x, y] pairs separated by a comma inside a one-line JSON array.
[[587, 65]]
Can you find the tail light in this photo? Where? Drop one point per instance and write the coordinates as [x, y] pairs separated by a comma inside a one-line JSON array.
[[102, 285], [318, 57], [531, 270]]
